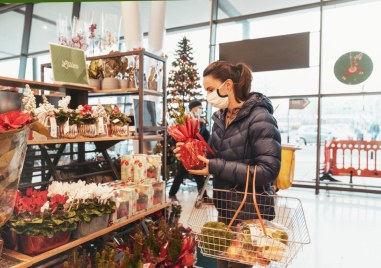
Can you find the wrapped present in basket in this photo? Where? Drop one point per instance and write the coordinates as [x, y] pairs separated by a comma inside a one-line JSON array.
[[186, 130]]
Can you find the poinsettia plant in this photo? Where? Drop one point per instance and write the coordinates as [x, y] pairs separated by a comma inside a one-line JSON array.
[[37, 214], [86, 115], [116, 117], [14, 120]]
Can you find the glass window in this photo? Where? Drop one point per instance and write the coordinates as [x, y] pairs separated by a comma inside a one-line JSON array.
[[354, 118], [199, 39], [234, 8], [108, 18], [284, 82], [348, 28], [10, 68], [299, 127], [44, 30], [11, 30], [182, 13]]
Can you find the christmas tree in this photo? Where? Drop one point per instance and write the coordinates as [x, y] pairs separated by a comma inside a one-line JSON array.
[[183, 86], [183, 81]]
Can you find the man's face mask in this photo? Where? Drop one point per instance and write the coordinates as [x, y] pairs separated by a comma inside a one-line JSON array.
[[198, 113], [216, 99]]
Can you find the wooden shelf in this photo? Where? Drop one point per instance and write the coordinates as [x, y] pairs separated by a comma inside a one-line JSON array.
[[28, 261], [97, 139], [15, 82], [124, 91]]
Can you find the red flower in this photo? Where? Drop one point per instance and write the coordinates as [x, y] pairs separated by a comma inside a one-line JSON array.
[[86, 110], [116, 110], [59, 199], [14, 120], [31, 202]]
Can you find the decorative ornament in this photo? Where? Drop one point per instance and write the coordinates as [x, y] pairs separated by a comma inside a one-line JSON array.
[[353, 68]]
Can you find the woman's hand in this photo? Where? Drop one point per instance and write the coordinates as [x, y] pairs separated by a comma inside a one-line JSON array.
[[204, 171], [177, 149]]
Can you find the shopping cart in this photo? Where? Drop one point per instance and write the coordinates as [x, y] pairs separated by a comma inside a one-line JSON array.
[[232, 228]]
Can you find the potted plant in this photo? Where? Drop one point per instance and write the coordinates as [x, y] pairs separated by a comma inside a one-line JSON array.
[[102, 118], [66, 119], [41, 222], [87, 121], [119, 121], [111, 68], [95, 73], [93, 204], [46, 116], [152, 83]]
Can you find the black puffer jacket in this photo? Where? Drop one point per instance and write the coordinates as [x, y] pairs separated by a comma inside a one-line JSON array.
[[251, 139]]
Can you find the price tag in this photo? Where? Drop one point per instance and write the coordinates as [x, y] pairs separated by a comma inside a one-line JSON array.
[[115, 121], [53, 127], [66, 127], [101, 129]]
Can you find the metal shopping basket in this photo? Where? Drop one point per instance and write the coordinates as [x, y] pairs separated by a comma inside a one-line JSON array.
[[232, 228]]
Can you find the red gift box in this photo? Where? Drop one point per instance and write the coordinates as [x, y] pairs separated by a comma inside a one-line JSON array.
[[192, 147]]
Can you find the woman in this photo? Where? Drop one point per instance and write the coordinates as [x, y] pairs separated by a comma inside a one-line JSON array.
[[244, 133]]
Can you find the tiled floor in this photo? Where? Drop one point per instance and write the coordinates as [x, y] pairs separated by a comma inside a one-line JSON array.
[[345, 228]]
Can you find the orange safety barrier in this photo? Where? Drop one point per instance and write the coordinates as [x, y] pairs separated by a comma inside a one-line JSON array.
[[352, 158]]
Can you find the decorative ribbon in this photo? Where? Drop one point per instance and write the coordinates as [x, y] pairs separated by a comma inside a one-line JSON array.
[[206, 144]]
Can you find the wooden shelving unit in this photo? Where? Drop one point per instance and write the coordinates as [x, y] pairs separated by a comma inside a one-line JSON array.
[[15, 82], [28, 261], [96, 139], [80, 96], [124, 91]]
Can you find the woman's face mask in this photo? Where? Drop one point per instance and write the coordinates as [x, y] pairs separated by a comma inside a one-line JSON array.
[[216, 99]]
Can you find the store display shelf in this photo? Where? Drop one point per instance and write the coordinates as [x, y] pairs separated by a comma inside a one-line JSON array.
[[97, 139], [128, 53], [123, 91], [15, 82], [29, 261]]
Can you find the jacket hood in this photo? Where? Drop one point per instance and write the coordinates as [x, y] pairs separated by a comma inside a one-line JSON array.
[[255, 100]]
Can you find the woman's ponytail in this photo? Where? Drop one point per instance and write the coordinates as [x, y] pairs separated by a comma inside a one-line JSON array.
[[243, 85]]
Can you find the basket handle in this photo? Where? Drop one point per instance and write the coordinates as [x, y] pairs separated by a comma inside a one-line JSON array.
[[244, 197], [256, 203], [254, 199]]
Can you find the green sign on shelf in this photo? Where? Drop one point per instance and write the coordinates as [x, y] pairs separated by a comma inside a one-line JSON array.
[[69, 65]]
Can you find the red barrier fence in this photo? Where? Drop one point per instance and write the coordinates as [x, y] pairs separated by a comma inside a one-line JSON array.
[[352, 158]]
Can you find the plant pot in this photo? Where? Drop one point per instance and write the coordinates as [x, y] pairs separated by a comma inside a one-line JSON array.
[[96, 83], [89, 131], [152, 85], [131, 84], [123, 83], [71, 132], [34, 245], [120, 131], [11, 240], [96, 224], [110, 83]]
